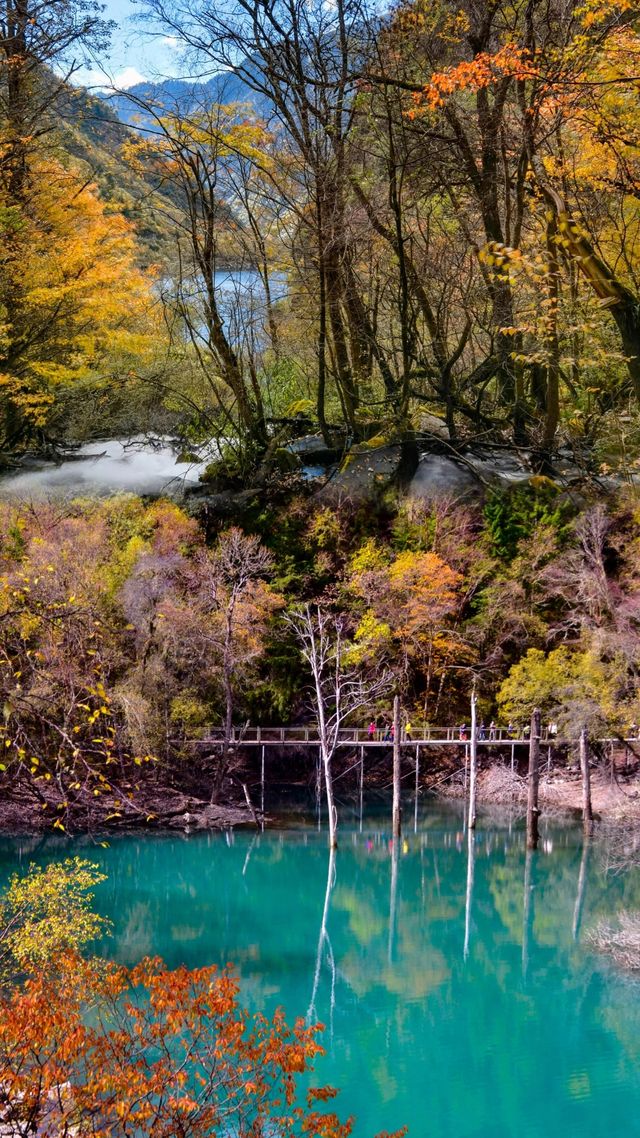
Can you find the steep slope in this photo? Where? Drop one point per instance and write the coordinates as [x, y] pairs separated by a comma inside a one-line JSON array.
[[91, 132]]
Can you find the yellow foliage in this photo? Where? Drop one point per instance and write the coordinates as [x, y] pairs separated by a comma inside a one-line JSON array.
[[47, 912], [71, 296]]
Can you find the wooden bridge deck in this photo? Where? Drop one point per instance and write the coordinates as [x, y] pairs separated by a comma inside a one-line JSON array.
[[307, 736]]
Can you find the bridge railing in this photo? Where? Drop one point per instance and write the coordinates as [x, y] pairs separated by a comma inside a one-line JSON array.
[[308, 733]]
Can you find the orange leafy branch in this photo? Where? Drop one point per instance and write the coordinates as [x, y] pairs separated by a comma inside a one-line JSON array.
[[511, 61]]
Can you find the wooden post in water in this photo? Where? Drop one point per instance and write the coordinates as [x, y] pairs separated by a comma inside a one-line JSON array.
[[587, 809], [396, 823], [361, 795], [473, 765], [417, 790], [532, 794]]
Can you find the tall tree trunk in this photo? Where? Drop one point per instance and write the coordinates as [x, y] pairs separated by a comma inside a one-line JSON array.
[[587, 809], [552, 394], [532, 791], [396, 820], [473, 769], [321, 393], [623, 304]]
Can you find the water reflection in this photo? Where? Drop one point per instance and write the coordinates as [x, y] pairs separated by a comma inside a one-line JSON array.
[[471, 864], [449, 968]]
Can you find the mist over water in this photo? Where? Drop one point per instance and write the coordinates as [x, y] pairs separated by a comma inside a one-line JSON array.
[[119, 466]]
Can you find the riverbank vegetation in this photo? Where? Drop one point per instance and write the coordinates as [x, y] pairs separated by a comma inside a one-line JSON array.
[[439, 213], [127, 631]]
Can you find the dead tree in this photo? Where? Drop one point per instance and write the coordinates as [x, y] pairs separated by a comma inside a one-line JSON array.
[[338, 689], [587, 809]]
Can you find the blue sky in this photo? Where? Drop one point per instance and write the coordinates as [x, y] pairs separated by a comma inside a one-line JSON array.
[[133, 56]]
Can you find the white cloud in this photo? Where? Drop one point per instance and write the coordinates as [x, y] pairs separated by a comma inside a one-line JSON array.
[[128, 78], [172, 42], [90, 78]]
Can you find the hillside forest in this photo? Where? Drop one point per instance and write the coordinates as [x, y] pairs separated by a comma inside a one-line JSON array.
[[449, 192], [440, 204]]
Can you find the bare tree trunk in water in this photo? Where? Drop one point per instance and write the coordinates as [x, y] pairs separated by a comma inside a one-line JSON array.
[[396, 821], [532, 792], [587, 810]]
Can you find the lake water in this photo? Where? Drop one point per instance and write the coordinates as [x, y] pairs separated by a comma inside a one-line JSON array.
[[522, 1032]]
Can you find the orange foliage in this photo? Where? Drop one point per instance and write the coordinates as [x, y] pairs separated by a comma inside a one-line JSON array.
[[162, 1053], [509, 61]]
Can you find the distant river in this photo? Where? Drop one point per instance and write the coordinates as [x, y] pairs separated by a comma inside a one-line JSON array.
[[525, 1035]]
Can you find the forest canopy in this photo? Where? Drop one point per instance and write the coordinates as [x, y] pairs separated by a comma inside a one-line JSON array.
[[440, 205]]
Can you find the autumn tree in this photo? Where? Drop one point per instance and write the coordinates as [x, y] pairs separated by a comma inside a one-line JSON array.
[[201, 626], [406, 607], [87, 1047], [536, 109], [75, 310], [205, 156], [301, 63], [45, 913], [41, 46], [69, 288]]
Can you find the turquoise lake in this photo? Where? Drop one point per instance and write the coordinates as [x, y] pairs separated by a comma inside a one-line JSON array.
[[486, 1019]]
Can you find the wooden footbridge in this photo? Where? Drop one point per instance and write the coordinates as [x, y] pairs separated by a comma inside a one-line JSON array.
[[505, 741], [307, 736]]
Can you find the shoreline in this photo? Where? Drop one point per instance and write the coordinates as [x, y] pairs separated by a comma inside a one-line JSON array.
[[616, 802], [614, 799]]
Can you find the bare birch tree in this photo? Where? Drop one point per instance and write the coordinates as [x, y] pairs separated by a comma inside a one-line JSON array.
[[338, 689]]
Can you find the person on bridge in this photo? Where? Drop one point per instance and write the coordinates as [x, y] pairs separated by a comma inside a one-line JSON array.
[[371, 730], [407, 731]]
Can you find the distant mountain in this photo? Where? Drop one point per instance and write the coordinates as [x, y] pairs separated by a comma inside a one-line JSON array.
[[183, 96]]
